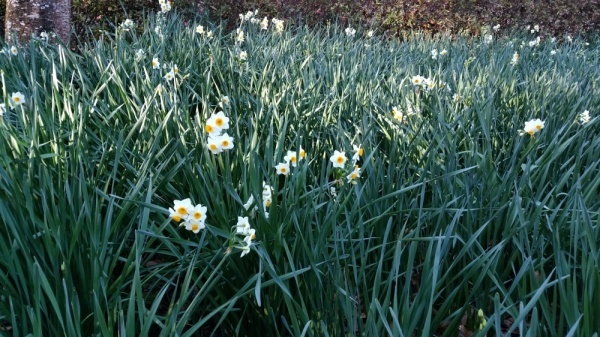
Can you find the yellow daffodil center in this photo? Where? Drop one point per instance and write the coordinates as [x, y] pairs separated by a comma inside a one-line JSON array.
[[302, 153], [213, 147], [182, 210], [219, 122], [360, 152], [340, 160], [225, 143], [176, 218], [283, 170], [530, 132], [208, 128], [197, 215], [539, 127], [268, 203], [354, 176], [252, 237], [17, 99], [195, 227], [293, 159]]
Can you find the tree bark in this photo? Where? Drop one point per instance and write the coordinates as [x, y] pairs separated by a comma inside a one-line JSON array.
[[27, 17]]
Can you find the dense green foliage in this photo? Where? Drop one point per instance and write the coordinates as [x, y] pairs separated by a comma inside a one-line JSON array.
[[454, 210]]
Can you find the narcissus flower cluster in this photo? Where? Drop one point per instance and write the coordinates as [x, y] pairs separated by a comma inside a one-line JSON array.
[[263, 23], [127, 25], [239, 36], [401, 115], [193, 218], [267, 199], [427, 83], [218, 139], [165, 6], [584, 117], [249, 16], [291, 158], [203, 32], [243, 228], [278, 24], [532, 127], [339, 161]]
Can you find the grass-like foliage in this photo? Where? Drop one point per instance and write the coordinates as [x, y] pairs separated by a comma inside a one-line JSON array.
[[474, 208]]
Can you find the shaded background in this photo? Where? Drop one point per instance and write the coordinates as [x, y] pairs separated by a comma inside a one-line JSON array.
[[556, 17]]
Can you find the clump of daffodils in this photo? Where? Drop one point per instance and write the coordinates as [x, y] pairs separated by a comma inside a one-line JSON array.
[[44, 36], [267, 199], [434, 54], [158, 31], [532, 127], [244, 229], [239, 36], [264, 24], [350, 31], [290, 159], [339, 163], [401, 115], [249, 16], [278, 24], [218, 139], [203, 32], [535, 29], [535, 42], [427, 83], [193, 218], [584, 117], [127, 25], [139, 55], [165, 6], [397, 114]]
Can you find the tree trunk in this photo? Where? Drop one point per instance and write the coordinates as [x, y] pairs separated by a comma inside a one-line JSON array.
[[27, 17]]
